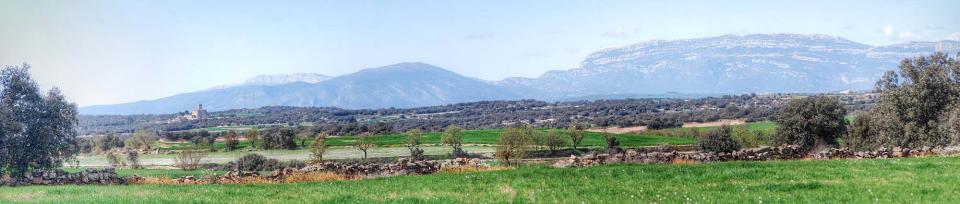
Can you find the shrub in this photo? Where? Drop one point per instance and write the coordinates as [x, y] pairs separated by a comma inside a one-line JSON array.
[[252, 136], [115, 159], [133, 157], [915, 103], [746, 138], [413, 144], [612, 143], [190, 159], [553, 141], [512, 144], [279, 138], [254, 162], [718, 141], [811, 122], [453, 137], [364, 143], [230, 140], [862, 136], [319, 147], [577, 132]]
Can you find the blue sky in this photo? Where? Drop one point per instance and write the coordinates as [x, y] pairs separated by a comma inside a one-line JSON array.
[[104, 52]]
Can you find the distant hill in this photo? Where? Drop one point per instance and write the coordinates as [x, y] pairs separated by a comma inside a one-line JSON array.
[[398, 85], [728, 64]]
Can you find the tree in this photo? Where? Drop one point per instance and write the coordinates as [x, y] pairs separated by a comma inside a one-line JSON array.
[[554, 141], [718, 141], [364, 143], [612, 143], [305, 135], [512, 144], [576, 132], [36, 131], [319, 147], [145, 138], [861, 136], [915, 102], [453, 136], [811, 122], [105, 143], [189, 159], [745, 137], [279, 138], [253, 136], [413, 143], [133, 157], [230, 140]]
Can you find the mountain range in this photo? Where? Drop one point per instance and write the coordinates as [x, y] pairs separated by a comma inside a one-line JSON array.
[[729, 64]]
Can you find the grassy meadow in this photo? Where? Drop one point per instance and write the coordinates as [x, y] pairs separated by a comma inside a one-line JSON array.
[[907, 180], [476, 137]]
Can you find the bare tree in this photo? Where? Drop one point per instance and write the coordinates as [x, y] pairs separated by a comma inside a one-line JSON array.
[[364, 143]]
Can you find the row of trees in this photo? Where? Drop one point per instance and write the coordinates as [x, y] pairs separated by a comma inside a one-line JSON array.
[[919, 107]]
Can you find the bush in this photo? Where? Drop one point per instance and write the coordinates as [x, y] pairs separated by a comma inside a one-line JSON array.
[[190, 159], [718, 141], [512, 144], [613, 144], [364, 143], [253, 162], [453, 137], [413, 143], [319, 147], [279, 138], [554, 141], [133, 157], [115, 160], [230, 140], [915, 103], [861, 136], [747, 138], [811, 123], [577, 132]]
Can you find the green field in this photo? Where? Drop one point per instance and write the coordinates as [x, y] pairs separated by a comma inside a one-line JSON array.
[[754, 126], [487, 137], [909, 180]]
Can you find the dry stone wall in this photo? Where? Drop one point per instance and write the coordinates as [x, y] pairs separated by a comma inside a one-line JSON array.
[[61, 177], [785, 152]]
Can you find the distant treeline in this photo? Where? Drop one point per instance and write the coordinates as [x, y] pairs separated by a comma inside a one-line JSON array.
[[656, 113]]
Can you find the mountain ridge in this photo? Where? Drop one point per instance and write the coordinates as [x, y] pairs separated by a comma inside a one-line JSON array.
[[756, 63]]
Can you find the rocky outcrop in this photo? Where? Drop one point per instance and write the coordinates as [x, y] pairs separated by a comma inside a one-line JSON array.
[[61, 177]]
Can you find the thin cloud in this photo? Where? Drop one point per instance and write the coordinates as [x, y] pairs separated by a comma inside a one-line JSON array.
[[619, 33], [888, 31], [478, 35], [954, 36]]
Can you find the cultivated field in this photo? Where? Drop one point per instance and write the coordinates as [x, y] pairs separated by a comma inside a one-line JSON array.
[[907, 180], [476, 141]]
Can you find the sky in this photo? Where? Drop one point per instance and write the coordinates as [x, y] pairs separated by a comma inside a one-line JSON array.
[[107, 52]]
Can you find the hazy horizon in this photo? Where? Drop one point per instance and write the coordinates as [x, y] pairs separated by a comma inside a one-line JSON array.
[[108, 52]]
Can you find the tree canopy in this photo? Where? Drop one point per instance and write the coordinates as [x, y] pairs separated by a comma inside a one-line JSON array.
[[36, 131]]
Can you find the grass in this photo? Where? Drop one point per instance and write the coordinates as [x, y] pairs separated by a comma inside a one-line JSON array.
[[754, 126], [152, 160], [487, 137], [909, 180]]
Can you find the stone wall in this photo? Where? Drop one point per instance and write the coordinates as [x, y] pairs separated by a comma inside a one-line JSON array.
[[785, 152], [401, 167], [60, 177]]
